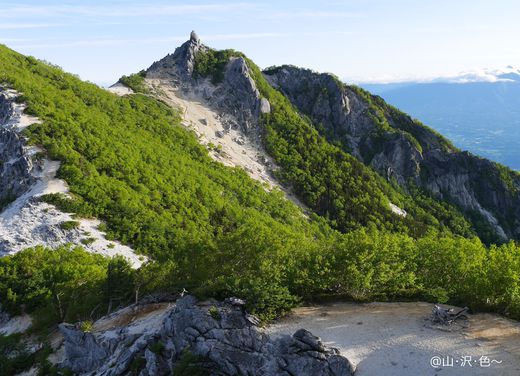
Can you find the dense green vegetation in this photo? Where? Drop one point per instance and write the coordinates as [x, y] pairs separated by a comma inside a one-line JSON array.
[[338, 186], [63, 285], [214, 231], [135, 82], [211, 63], [71, 284]]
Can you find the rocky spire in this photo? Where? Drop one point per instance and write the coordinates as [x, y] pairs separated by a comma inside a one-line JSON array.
[[194, 37], [181, 62]]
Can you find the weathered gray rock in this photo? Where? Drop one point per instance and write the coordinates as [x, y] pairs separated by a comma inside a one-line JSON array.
[[265, 106], [179, 65], [4, 316], [219, 333], [473, 183], [236, 98], [194, 37], [15, 163], [78, 342]]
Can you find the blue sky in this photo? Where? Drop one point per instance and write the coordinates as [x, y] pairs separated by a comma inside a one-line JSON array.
[[358, 40]]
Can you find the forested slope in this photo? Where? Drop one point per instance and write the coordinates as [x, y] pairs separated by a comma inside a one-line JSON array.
[[215, 231]]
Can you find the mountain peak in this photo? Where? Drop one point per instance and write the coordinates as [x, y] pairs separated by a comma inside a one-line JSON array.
[[194, 37], [181, 62]]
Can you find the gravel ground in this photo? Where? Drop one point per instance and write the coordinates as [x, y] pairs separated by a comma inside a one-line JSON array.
[[396, 339]]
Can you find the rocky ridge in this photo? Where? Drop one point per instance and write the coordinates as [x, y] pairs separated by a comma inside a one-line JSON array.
[[404, 150], [399, 148], [221, 338], [392, 143], [16, 164]]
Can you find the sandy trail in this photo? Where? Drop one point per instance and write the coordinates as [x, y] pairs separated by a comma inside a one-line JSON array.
[[395, 339]]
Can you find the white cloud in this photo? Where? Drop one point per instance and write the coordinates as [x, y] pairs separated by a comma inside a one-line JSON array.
[[121, 10], [475, 75], [312, 13], [16, 26], [61, 43]]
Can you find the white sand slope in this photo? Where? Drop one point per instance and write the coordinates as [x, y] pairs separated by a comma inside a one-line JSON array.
[[394, 339], [235, 148], [28, 222], [231, 147], [120, 89]]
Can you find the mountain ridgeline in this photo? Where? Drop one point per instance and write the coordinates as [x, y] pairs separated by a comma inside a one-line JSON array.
[[405, 151], [347, 154], [482, 117], [387, 208]]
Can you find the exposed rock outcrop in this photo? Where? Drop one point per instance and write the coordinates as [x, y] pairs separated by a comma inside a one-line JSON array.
[[236, 98], [224, 114], [179, 65], [220, 335], [403, 150], [16, 166]]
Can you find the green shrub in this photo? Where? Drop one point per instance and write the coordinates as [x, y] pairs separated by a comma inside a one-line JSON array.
[[14, 358], [69, 225], [88, 241], [86, 326], [135, 82], [214, 312], [212, 63], [62, 284], [137, 365], [156, 347]]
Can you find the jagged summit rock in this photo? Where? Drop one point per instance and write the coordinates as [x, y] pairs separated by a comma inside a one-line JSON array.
[[236, 97], [194, 37], [180, 64]]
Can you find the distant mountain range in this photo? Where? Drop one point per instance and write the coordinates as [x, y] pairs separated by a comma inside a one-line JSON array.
[[479, 111]]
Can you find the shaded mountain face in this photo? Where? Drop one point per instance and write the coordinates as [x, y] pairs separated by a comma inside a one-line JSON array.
[[15, 165], [398, 148], [483, 117], [401, 148]]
